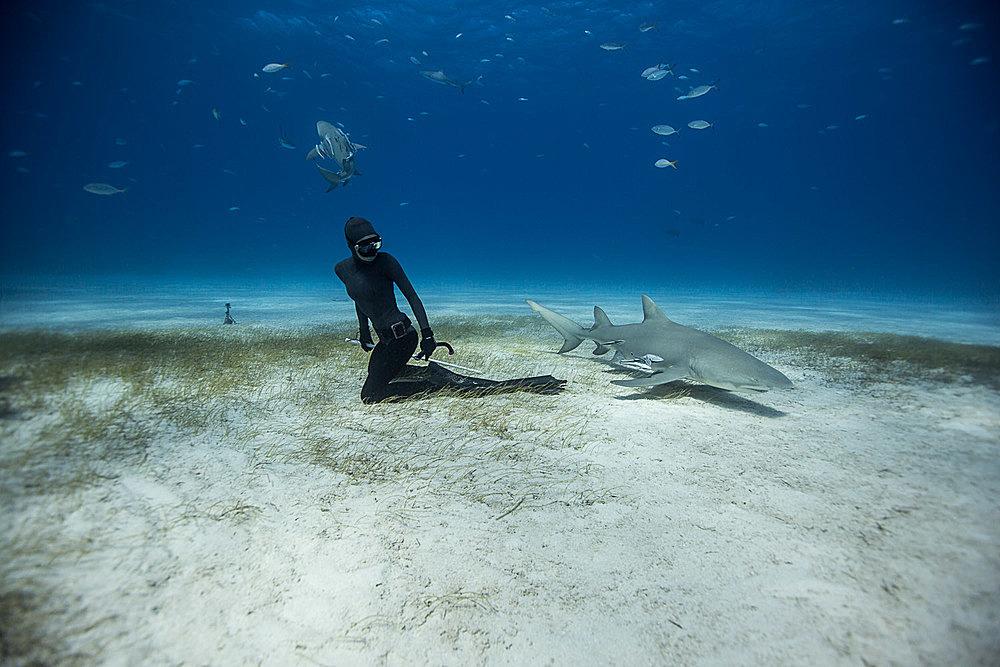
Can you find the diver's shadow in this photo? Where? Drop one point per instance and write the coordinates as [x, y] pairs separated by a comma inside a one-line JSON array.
[[701, 392]]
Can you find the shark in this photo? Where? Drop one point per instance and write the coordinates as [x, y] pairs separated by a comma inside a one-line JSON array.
[[668, 351], [342, 177], [334, 144]]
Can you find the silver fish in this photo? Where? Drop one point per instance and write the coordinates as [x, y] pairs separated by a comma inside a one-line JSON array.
[[697, 92], [103, 189]]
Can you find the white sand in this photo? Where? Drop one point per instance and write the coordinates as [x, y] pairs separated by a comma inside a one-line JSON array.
[[839, 523]]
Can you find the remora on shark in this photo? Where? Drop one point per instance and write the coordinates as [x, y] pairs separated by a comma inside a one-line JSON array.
[[668, 350]]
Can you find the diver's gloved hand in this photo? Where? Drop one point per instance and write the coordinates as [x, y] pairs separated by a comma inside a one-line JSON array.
[[367, 344], [427, 343]]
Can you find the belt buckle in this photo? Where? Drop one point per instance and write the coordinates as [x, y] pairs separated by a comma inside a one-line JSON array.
[[398, 330]]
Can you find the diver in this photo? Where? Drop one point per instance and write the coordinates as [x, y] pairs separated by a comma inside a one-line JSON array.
[[369, 276], [229, 318]]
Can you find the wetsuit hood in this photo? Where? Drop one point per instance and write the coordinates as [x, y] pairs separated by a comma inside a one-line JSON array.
[[357, 229]]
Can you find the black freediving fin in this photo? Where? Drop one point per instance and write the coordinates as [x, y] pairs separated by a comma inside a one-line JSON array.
[[435, 376]]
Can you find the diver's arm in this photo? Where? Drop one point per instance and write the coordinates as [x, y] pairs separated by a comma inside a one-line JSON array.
[[399, 277], [364, 333]]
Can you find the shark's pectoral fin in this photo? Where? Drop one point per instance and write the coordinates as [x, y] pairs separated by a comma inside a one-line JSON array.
[[601, 349], [663, 377]]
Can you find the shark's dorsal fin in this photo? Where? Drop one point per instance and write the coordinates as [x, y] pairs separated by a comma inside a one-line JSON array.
[[651, 312], [601, 318]]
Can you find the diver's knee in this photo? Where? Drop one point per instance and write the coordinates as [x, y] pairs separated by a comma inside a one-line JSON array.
[[369, 396]]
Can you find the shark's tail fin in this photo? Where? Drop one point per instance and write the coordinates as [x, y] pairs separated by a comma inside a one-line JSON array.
[[570, 330]]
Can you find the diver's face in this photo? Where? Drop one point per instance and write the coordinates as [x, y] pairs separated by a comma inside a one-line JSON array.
[[367, 248]]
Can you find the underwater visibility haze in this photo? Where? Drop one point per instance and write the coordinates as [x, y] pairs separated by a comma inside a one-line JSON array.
[[850, 147], [694, 356]]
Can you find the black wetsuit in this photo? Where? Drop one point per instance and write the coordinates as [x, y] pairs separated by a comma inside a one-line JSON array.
[[370, 282]]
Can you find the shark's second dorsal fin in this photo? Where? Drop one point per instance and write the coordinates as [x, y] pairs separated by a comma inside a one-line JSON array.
[[601, 318], [651, 312]]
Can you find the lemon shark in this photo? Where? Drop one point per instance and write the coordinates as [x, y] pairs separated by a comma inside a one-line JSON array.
[[668, 350]]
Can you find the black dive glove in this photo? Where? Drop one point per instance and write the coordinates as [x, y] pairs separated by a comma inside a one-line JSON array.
[[427, 343], [367, 344]]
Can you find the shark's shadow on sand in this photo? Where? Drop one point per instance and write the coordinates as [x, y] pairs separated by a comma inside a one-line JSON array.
[[718, 397]]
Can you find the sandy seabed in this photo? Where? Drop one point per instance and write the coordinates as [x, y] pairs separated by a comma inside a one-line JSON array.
[[223, 497]]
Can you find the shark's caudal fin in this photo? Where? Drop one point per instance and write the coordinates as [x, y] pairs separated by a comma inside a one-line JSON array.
[[570, 330]]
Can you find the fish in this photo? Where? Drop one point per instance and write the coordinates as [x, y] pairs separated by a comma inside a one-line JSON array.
[[612, 46], [970, 26], [861, 116], [658, 74], [117, 164], [459, 35], [413, 59], [334, 144], [271, 68], [646, 27], [243, 122], [382, 41], [668, 350], [761, 124], [120, 142], [981, 60], [699, 125], [697, 92], [233, 209], [216, 114], [103, 189], [663, 130], [662, 163], [184, 82], [17, 153], [404, 203], [284, 142], [438, 76]]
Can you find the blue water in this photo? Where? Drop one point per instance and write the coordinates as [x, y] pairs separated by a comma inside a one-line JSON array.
[[557, 189]]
